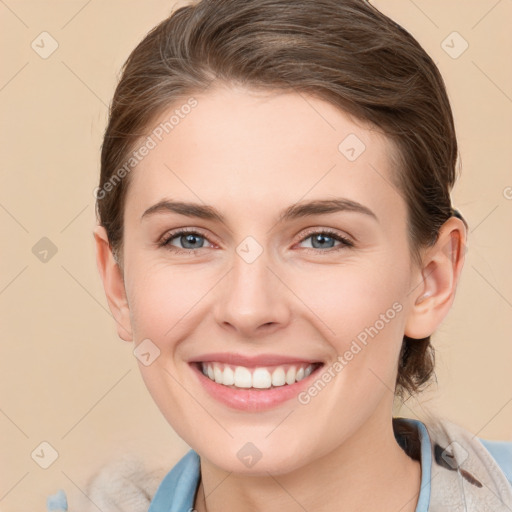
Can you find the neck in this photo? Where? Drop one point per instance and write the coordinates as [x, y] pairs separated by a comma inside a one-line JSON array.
[[369, 471]]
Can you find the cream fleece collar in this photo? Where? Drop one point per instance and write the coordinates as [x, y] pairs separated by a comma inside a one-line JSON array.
[[464, 476]]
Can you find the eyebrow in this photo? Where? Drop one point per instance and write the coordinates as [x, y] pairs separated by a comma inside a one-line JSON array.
[[295, 211]]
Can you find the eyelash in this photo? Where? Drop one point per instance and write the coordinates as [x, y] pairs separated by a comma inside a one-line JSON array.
[[345, 242]]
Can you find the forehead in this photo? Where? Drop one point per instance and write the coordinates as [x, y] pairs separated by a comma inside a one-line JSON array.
[[238, 146]]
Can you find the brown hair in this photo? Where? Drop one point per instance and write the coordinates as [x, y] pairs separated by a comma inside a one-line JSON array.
[[345, 52]]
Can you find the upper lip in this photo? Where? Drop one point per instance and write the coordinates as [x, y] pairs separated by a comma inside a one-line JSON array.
[[250, 361]]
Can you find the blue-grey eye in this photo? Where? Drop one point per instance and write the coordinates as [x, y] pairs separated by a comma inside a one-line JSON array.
[[187, 240], [322, 240], [191, 239]]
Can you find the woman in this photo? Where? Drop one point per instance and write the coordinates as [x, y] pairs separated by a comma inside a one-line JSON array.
[[276, 237]]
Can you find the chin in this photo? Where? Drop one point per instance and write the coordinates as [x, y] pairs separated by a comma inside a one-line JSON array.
[[249, 460]]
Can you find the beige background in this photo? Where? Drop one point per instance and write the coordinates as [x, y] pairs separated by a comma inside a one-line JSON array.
[[65, 376]]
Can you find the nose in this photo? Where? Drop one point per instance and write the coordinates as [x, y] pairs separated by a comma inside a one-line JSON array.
[[253, 300]]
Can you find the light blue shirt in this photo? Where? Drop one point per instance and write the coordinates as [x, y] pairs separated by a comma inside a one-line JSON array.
[[177, 490]]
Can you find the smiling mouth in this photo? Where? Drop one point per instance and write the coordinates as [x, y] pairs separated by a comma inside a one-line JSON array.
[[263, 377]]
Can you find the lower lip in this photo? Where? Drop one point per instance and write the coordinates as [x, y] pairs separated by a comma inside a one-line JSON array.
[[251, 399]]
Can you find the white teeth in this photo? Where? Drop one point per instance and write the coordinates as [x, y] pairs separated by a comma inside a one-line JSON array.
[[229, 376], [218, 374], [278, 377], [290, 375], [243, 378], [259, 378]]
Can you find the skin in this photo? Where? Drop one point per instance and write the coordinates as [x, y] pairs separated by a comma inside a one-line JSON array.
[[251, 155]]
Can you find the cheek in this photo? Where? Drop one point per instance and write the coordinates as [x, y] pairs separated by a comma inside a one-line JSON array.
[[348, 298], [359, 311], [163, 297], [166, 305]]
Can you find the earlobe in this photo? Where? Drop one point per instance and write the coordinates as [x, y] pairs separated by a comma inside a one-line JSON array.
[[433, 297], [113, 284]]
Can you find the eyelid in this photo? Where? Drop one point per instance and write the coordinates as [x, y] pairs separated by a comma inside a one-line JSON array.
[[327, 231], [346, 241], [174, 233]]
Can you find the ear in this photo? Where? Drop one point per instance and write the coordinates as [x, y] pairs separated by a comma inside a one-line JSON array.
[[442, 264], [113, 284]]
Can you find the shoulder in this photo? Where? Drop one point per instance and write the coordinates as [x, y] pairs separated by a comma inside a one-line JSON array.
[[496, 456], [480, 470], [179, 485], [501, 452], [125, 482], [122, 485]]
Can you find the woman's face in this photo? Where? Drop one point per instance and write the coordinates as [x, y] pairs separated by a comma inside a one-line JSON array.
[[299, 256]]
